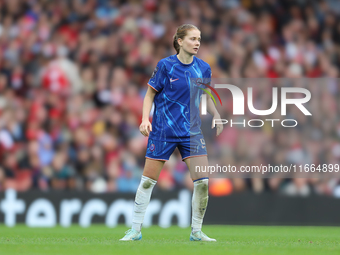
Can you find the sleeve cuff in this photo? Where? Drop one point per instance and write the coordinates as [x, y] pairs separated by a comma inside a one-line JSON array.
[[153, 87]]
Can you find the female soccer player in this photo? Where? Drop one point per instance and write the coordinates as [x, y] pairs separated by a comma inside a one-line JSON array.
[[174, 93]]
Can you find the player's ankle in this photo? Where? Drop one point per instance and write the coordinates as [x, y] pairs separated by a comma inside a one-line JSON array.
[[194, 230], [137, 227]]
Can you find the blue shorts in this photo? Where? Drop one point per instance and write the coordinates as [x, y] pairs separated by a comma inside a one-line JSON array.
[[161, 150]]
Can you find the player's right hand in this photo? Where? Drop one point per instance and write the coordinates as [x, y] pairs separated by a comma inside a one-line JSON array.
[[145, 127]]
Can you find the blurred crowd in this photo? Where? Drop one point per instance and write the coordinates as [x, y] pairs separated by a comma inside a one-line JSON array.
[[73, 75]]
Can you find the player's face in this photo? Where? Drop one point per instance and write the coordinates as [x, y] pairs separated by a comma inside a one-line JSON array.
[[191, 42]]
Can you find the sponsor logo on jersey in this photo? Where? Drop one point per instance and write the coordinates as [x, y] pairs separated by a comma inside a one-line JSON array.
[[200, 81]]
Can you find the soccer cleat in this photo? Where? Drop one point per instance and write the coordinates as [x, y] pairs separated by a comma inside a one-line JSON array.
[[132, 235], [200, 236]]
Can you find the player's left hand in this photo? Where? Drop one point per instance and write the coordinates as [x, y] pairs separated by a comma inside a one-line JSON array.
[[219, 127]]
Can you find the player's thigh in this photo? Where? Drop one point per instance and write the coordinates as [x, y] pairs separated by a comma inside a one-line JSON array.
[[153, 168], [197, 166]]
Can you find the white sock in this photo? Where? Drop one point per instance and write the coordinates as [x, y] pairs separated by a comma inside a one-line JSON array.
[[142, 200], [199, 203]]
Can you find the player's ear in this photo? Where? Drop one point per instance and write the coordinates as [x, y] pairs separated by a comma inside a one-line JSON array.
[[179, 41]]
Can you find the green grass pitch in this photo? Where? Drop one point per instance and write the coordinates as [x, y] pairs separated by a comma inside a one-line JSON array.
[[99, 240]]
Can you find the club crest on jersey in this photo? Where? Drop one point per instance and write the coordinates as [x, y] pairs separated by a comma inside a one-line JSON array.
[[152, 147], [154, 72]]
